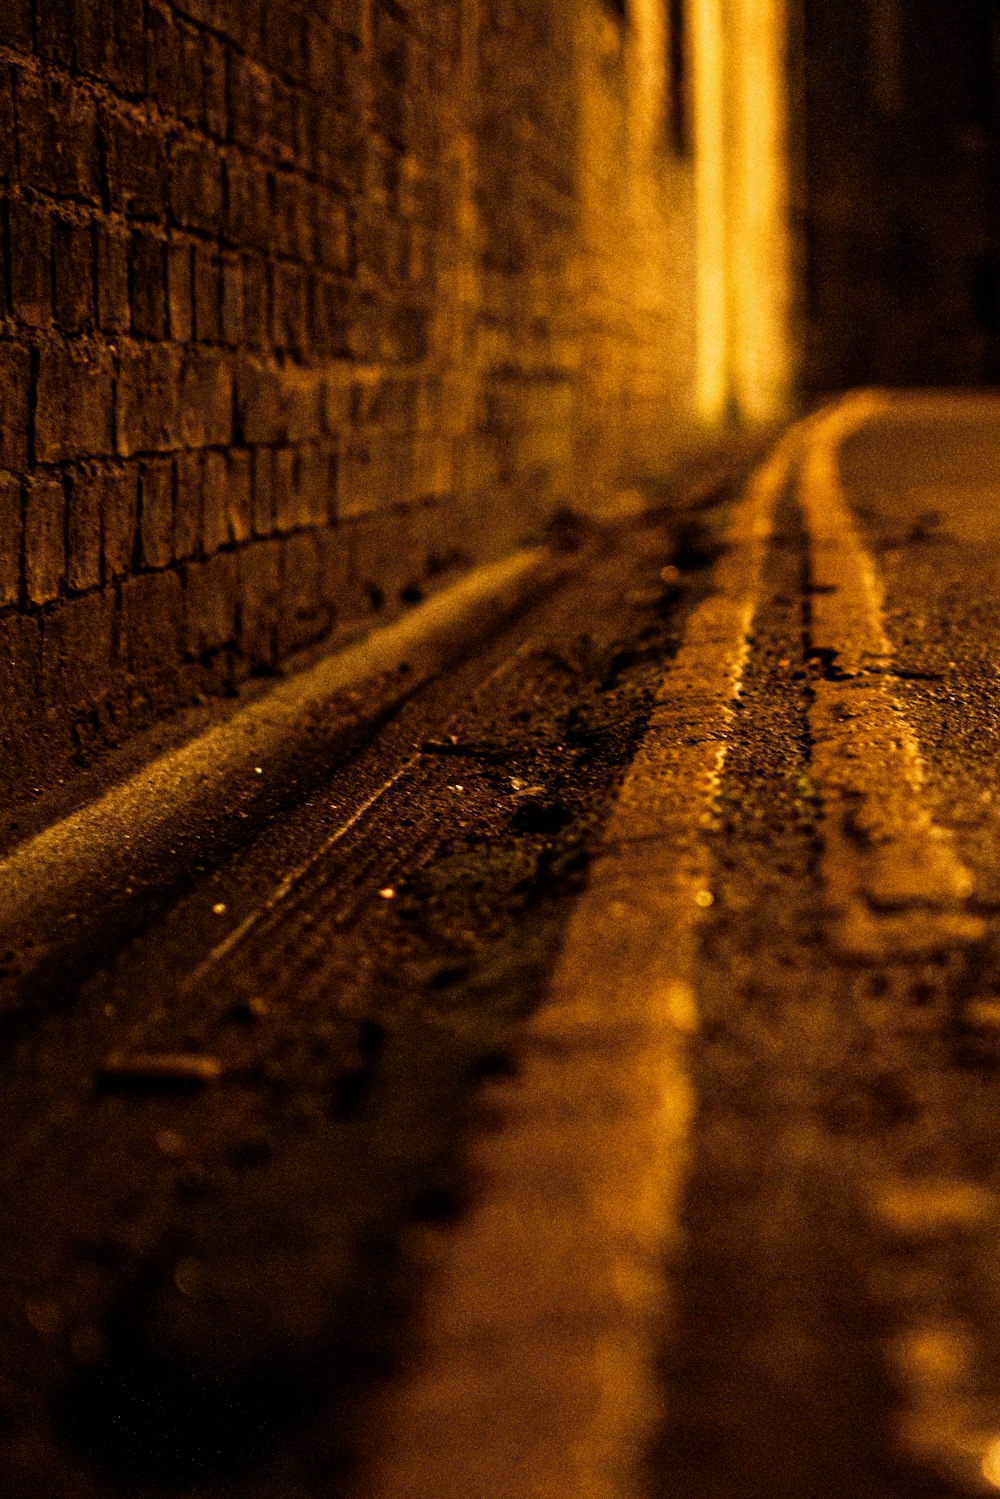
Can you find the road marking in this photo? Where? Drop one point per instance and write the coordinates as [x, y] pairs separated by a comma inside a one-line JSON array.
[[898, 889], [891, 874], [536, 1375]]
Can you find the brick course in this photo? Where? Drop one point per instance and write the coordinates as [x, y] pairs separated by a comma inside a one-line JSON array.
[[290, 312]]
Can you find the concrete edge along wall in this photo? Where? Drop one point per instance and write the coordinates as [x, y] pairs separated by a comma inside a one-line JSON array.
[[305, 304]]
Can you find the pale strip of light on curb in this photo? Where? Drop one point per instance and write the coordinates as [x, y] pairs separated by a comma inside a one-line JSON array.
[[536, 1374], [209, 794], [890, 873]]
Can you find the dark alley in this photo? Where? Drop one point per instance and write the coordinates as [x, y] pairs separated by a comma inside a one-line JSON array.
[[500, 815]]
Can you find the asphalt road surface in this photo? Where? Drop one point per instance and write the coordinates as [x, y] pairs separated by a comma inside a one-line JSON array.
[[591, 1090]]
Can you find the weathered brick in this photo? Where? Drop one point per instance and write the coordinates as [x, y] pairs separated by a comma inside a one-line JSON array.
[[304, 495], [226, 500], [207, 295], [381, 562], [149, 292], [55, 30], [335, 402], [290, 308], [248, 197], [8, 126], [304, 616], [206, 398], [256, 306], [44, 537], [73, 255], [278, 404], [15, 24], [339, 149], [164, 58], [239, 20], [191, 82], [334, 238], [148, 405], [232, 322], [239, 503], [335, 566], [250, 98], [346, 15], [213, 57], [260, 602], [330, 317], [20, 700], [83, 531], [362, 469], [196, 185], [130, 45], [136, 158], [110, 42], [180, 299], [11, 531], [187, 505], [214, 524], [94, 37], [78, 652], [156, 513], [262, 489], [268, 137], [406, 335], [285, 497], [114, 313], [210, 603], [74, 405], [15, 392], [57, 137], [294, 205], [119, 520], [151, 621], [31, 264], [285, 41]]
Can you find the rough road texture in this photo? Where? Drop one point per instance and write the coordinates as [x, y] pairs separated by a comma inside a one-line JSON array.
[[302, 305], [828, 1263], [472, 1136], [206, 1279]]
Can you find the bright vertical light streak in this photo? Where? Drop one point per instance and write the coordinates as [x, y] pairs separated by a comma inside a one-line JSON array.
[[708, 56], [758, 211]]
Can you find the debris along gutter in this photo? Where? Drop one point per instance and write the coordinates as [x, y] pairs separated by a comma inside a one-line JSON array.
[[84, 883]]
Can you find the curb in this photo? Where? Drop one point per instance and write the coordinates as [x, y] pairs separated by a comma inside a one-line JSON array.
[[70, 893]]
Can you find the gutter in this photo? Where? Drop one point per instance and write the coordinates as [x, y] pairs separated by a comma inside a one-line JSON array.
[[71, 893]]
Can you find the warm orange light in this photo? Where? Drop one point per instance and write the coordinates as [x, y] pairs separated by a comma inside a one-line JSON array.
[[759, 210], [712, 376], [741, 178], [991, 1464]]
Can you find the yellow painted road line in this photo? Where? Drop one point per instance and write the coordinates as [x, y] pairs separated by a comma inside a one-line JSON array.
[[898, 888], [536, 1371], [892, 876]]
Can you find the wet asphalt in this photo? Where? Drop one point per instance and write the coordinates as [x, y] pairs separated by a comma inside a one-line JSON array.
[[205, 1282]]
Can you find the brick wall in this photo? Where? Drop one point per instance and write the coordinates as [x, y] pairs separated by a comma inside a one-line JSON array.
[[305, 303]]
